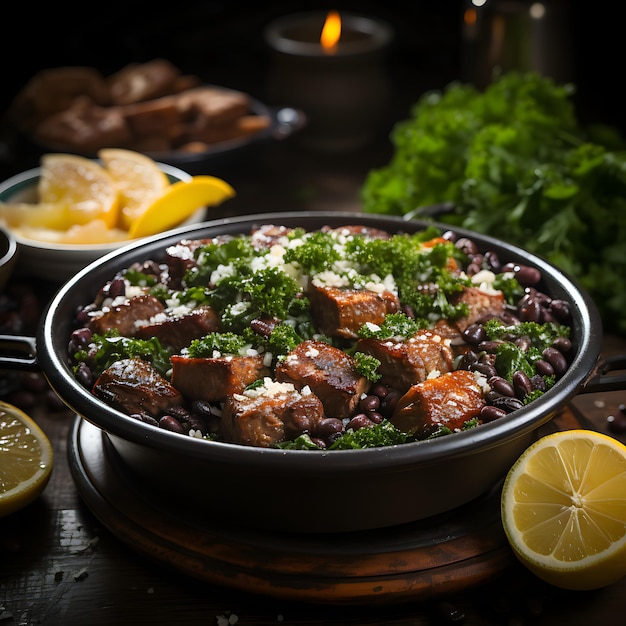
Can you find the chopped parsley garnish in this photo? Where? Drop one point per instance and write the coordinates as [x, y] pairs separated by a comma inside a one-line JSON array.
[[395, 326], [366, 365]]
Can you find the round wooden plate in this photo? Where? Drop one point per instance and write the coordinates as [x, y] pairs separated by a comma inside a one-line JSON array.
[[424, 559]]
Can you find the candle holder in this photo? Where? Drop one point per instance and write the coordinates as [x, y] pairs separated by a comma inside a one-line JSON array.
[[342, 89]]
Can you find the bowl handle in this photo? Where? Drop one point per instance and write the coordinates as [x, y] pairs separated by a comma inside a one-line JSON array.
[[18, 353], [605, 377]]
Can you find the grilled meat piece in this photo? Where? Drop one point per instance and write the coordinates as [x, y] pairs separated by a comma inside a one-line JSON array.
[[448, 400], [280, 413], [482, 306], [214, 379], [125, 316], [341, 312], [134, 386], [177, 332], [329, 373], [407, 362]]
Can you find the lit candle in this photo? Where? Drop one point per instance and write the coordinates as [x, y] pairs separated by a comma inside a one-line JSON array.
[[330, 66]]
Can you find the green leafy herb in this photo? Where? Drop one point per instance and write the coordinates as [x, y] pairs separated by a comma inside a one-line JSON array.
[[366, 365], [111, 347], [395, 325], [516, 164], [383, 434]]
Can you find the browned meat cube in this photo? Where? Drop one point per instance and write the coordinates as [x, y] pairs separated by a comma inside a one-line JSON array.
[[134, 386], [329, 372], [84, 127], [142, 81], [212, 106], [127, 316], [177, 332], [269, 414], [214, 379], [448, 400], [151, 117], [482, 305], [342, 312], [405, 363]]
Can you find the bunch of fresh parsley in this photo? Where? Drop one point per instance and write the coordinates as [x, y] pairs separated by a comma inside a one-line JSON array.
[[515, 163]]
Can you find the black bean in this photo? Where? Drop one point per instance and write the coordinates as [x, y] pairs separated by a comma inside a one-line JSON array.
[[369, 403], [117, 288], [489, 413], [501, 385], [526, 276], [84, 375], [472, 269], [474, 334], [466, 245], [483, 368], [493, 262], [170, 423], [544, 368], [530, 311], [466, 360], [408, 311], [388, 404], [489, 346], [556, 359], [522, 384], [81, 337], [508, 404], [328, 426], [546, 317], [380, 390], [359, 421], [560, 310], [375, 417], [202, 407], [320, 443], [562, 344]]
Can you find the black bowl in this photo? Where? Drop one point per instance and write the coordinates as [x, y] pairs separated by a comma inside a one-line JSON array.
[[305, 491]]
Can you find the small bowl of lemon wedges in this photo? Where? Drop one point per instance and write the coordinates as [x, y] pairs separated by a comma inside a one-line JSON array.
[[71, 210]]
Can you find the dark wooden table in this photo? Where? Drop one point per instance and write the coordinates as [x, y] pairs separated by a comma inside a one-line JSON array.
[[59, 564]]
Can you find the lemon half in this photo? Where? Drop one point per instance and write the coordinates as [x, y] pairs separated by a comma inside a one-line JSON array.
[[139, 179], [563, 509], [26, 459]]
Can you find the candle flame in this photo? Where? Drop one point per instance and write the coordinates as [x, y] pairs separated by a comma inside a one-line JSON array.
[[331, 32]]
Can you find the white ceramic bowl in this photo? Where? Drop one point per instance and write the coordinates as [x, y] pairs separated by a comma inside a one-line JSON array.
[[58, 262], [8, 256]]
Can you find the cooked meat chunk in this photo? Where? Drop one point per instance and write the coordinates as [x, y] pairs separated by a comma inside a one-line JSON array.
[[178, 331], [279, 413], [405, 363], [448, 401], [328, 372], [482, 305], [134, 386], [125, 316], [214, 379], [142, 81], [342, 312]]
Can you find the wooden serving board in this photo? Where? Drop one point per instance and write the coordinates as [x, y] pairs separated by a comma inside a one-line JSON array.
[[426, 559]]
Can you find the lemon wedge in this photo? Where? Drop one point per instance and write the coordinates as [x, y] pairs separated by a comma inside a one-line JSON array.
[[139, 180], [178, 203], [26, 459], [79, 187], [563, 509]]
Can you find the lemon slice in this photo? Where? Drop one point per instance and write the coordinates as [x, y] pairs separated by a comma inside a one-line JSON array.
[[42, 215], [80, 185], [564, 509], [179, 202], [139, 179], [26, 459]]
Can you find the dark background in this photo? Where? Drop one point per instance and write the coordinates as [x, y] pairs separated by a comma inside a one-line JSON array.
[[222, 42]]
